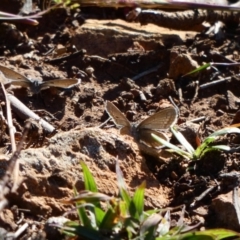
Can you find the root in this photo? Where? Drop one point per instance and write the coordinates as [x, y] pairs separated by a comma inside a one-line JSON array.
[[185, 20]]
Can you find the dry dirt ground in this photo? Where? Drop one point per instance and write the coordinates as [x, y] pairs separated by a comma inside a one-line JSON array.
[[108, 54]]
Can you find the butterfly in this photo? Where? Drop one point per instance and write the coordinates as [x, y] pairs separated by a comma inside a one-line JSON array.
[[11, 77], [141, 132]]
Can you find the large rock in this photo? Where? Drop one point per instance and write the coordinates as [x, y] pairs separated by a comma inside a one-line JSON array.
[[49, 173]]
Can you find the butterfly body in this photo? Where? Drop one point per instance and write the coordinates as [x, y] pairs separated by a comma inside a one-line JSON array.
[[157, 123]]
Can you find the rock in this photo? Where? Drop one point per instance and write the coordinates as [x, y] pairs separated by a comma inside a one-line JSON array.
[[53, 232], [181, 64], [7, 220], [225, 212], [51, 172], [120, 35]]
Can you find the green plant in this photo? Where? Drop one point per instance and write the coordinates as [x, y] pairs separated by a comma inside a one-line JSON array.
[[211, 64], [123, 217], [195, 154]]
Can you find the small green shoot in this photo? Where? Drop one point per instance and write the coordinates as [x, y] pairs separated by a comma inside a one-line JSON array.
[[195, 154], [124, 217], [207, 65]]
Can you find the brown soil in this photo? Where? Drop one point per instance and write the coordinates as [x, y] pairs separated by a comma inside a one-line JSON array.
[[116, 52]]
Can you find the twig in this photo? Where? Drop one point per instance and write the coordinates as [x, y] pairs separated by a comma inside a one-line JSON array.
[[213, 83], [61, 59], [5, 183], [199, 198], [225, 64], [142, 96], [46, 113], [24, 112], [101, 125], [196, 91], [151, 70], [49, 51], [180, 94], [11, 128], [3, 120], [21, 218], [18, 232], [236, 203], [197, 119], [98, 58], [27, 19], [185, 20]]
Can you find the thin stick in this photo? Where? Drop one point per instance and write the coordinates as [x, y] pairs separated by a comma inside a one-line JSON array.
[[11, 128], [236, 202], [197, 119], [101, 125], [5, 183], [142, 96], [20, 230], [180, 94], [24, 112], [183, 20], [196, 91], [3, 119], [70, 56], [213, 83], [204, 194], [151, 70]]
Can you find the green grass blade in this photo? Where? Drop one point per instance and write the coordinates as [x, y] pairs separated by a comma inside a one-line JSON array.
[[99, 214], [138, 201], [82, 232], [90, 185], [110, 218], [90, 197], [215, 148], [225, 131], [150, 225], [213, 234], [221, 147], [89, 181], [203, 67], [172, 147], [82, 215], [183, 141], [122, 186], [164, 225], [203, 146]]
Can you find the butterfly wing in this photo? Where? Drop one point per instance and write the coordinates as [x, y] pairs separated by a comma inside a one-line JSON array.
[[232, 100], [4, 80], [67, 83], [145, 136], [118, 118], [15, 78], [125, 130], [160, 120]]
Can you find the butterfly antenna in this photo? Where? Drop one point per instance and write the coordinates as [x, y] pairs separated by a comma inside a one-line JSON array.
[[174, 104]]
